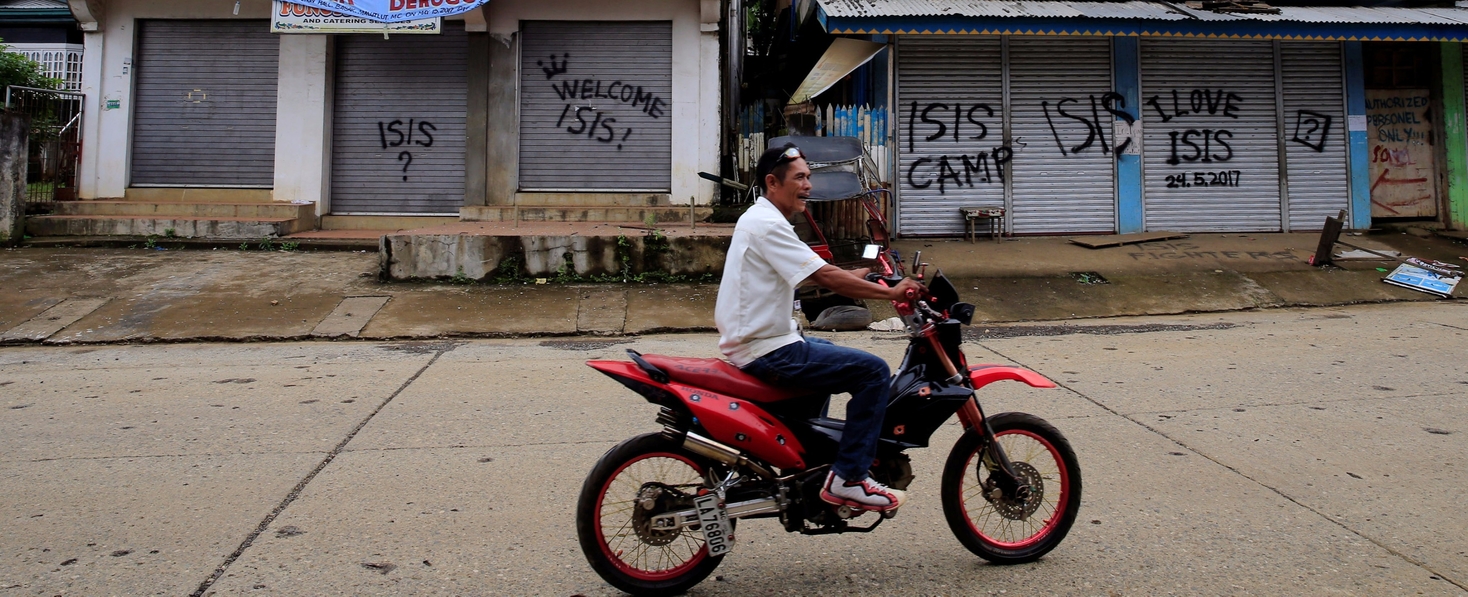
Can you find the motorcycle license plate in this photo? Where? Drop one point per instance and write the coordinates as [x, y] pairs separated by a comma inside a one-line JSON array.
[[715, 522]]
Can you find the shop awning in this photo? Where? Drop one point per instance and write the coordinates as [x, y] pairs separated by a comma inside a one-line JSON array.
[[1138, 18]]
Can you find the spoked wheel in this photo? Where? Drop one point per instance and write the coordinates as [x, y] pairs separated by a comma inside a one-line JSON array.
[[994, 522], [632, 484]]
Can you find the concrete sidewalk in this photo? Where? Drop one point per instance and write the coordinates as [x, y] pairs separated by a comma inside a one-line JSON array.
[[70, 295]]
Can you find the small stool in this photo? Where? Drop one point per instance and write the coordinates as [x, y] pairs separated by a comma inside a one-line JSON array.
[[991, 217]]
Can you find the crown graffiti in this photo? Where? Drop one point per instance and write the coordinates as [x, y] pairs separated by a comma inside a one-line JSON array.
[[554, 68]]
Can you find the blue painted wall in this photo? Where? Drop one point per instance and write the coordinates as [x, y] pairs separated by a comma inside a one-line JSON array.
[[1126, 66], [1357, 148]]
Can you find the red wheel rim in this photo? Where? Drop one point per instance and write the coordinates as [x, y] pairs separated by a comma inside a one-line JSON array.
[[1055, 511], [618, 555]]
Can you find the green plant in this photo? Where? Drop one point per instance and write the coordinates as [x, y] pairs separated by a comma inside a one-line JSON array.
[[266, 244], [460, 278], [508, 271], [151, 242], [16, 69], [245, 246], [170, 233], [566, 273], [290, 246]]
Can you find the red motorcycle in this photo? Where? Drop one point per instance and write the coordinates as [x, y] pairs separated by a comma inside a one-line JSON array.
[[658, 512]]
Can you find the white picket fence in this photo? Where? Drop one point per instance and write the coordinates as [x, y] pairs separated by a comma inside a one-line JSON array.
[[863, 122]]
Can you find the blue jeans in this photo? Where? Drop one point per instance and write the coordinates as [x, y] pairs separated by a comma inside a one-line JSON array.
[[821, 366]]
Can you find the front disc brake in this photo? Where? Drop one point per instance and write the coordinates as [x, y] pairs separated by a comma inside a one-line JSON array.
[[1011, 506]]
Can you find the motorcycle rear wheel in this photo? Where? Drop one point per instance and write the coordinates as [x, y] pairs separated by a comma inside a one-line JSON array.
[[612, 526], [1006, 530]]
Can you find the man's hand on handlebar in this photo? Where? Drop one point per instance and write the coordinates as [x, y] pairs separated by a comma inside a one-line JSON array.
[[900, 292]]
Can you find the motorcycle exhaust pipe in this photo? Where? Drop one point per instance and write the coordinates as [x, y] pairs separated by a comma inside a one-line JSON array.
[[713, 450]]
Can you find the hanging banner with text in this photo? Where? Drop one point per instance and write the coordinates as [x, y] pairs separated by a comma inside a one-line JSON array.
[[289, 17], [395, 11]]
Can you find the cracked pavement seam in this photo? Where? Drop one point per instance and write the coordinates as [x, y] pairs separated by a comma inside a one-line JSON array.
[[1404, 557], [301, 486]]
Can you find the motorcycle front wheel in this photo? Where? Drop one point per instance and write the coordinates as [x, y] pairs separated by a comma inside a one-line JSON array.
[[1003, 528], [634, 482]]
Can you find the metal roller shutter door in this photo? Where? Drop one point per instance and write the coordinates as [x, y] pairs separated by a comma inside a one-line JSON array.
[[399, 123], [1063, 167], [1231, 83], [1315, 132], [951, 109], [596, 106], [204, 104]]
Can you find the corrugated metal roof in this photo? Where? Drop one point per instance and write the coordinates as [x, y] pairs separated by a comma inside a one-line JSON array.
[[16, 4], [1136, 9], [1133, 9]]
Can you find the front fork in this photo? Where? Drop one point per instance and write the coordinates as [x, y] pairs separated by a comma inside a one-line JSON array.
[[972, 417]]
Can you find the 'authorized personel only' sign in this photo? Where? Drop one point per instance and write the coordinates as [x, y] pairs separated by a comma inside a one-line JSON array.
[[394, 11]]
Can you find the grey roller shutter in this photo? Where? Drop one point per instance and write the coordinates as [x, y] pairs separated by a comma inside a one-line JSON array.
[[1315, 132], [1063, 164], [596, 106], [950, 123], [1226, 179], [204, 104], [399, 123]]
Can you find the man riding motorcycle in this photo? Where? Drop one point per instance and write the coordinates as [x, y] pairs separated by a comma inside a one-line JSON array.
[[765, 263]]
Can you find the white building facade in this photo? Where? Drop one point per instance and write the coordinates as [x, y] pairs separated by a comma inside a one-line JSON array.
[[515, 106]]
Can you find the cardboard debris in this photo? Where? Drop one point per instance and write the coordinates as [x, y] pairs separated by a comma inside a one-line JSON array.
[[1416, 278], [892, 324], [1117, 240], [1358, 254]]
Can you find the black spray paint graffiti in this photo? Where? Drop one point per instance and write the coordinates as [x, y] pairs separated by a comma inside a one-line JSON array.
[[404, 136], [1199, 102], [1319, 127], [601, 128], [983, 168], [1112, 103]]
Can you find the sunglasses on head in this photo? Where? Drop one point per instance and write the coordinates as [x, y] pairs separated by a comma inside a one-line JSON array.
[[790, 155]]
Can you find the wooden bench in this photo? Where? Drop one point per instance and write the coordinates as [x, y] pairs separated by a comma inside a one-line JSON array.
[[992, 218]]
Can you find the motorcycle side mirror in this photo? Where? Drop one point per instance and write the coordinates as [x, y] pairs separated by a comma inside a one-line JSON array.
[[871, 251]]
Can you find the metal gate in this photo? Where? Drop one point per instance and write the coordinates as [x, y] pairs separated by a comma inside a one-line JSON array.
[[204, 104], [1063, 165], [1210, 139], [596, 106], [950, 133], [399, 123], [55, 142], [1314, 131]]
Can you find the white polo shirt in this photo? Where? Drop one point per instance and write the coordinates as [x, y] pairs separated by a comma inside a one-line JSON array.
[[756, 304]]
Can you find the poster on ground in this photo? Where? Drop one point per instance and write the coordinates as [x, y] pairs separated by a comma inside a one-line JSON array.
[[396, 11], [290, 17]]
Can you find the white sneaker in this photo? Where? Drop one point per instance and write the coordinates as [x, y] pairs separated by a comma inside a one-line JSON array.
[[865, 494]]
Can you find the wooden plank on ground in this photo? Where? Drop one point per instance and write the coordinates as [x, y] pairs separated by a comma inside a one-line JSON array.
[[1117, 240]]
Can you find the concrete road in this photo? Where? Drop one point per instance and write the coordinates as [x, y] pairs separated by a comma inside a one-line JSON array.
[[1301, 452]]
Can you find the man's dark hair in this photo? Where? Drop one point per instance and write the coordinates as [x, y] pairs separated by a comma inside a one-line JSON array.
[[766, 165]]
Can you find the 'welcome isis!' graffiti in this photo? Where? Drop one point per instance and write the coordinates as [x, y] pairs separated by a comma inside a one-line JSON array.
[[587, 120]]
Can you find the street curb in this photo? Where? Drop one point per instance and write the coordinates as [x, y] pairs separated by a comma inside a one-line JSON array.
[[648, 332]]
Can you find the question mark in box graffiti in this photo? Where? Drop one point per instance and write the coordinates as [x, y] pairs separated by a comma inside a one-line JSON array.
[[405, 156]]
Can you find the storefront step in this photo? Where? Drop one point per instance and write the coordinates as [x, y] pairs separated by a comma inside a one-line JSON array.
[[383, 222], [198, 195], [165, 227], [168, 209], [559, 213]]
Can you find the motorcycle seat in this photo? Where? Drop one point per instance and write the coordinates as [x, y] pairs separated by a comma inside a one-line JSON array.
[[720, 376]]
